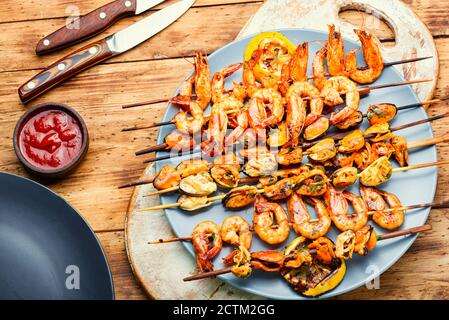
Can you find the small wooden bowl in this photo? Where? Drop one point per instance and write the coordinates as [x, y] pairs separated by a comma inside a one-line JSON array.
[[68, 168]]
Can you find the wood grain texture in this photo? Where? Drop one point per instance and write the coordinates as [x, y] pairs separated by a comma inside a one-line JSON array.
[[98, 93], [86, 26]]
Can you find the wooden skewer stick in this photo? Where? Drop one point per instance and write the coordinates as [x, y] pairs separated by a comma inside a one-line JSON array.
[[419, 166], [390, 235], [434, 205], [138, 104]]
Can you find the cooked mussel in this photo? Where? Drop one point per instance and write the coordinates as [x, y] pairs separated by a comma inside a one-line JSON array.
[[381, 113], [198, 185], [191, 167], [227, 176], [323, 150], [354, 120], [352, 142], [262, 165], [344, 177], [167, 177], [189, 203], [240, 197], [400, 150]]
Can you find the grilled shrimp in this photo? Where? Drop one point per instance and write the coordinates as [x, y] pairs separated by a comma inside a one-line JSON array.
[[185, 93], [300, 218], [218, 81], [296, 69], [331, 91], [249, 79], [265, 214], [335, 54], [338, 205], [218, 125], [177, 141], [237, 232], [190, 125], [296, 117], [373, 59], [306, 89], [377, 200], [318, 68], [265, 108], [203, 88], [207, 244]]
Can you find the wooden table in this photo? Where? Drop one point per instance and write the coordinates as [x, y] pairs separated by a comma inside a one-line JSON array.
[[152, 71]]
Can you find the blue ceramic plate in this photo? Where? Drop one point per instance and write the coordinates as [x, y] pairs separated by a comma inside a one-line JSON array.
[[47, 249], [417, 186]]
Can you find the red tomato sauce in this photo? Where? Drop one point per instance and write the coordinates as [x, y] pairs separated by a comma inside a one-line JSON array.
[[51, 139]]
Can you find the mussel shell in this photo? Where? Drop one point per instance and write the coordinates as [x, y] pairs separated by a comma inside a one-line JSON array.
[[323, 150], [240, 197], [344, 177], [261, 165], [381, 113], [353, 121], [227, 176]]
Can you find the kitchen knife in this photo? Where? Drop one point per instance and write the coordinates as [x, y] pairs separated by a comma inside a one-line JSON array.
[[93, 23], [101, 50]]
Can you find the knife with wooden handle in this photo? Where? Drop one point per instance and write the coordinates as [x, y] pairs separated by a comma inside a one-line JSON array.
[[93, 23], [99, 51]]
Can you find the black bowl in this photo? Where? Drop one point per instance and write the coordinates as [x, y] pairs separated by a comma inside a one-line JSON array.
[[51, 173]]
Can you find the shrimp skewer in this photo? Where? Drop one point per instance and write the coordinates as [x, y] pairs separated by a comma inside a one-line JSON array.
[[192, 167], [207, 244], [290, 257]]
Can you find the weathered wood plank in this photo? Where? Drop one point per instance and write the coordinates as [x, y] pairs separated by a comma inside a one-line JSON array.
[[97, 94], [125, 285], [196, 30], [51, 9]]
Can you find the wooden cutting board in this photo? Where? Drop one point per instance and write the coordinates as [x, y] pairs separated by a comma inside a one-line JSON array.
[[160, 268]]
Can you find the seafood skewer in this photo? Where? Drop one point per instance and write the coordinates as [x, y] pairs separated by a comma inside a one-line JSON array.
[[410, 145], [377, 173], [231, 160], [336, 136], [395, 110], [390, 235]]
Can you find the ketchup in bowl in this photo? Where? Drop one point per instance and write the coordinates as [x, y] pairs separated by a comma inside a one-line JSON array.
[[50, 139]]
